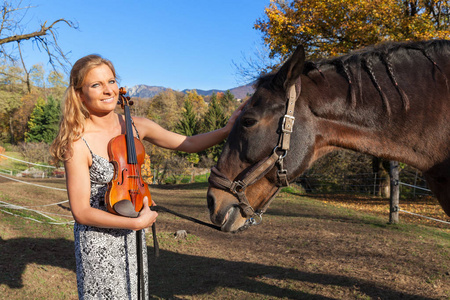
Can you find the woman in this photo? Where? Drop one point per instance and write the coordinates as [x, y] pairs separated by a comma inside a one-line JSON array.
[[105, 244]]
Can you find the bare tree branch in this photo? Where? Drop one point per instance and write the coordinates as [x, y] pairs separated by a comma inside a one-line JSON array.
[[27, 72], [251, 68], [44, 31], [45, 38]]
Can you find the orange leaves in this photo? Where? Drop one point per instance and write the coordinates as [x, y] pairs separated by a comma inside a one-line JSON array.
[[332, 27], [197, 101], [426, 206], [146, 170]]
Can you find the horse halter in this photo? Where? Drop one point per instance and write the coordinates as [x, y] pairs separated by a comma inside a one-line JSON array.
[[260, 169]]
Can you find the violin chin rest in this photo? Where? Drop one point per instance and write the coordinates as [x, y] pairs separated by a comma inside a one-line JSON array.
[[125, 208]]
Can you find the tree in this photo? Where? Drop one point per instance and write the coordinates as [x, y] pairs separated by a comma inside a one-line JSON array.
[[214, 119], [37, 75], [228, 103], [18, 121], [198, 102], [56, 79], [164, 109], [188, 124], [14, 33], [9, 104], [11, 78], [328, 28], [43, 124], [57, 84], [13, 30], [16, 78]]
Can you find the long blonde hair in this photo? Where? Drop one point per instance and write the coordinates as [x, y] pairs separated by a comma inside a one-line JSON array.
[[74, 113]]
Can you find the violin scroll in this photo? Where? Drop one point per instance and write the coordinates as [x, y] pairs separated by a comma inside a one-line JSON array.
[[124, 100]]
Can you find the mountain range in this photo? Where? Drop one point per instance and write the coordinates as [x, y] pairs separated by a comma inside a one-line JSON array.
[[146, 91]]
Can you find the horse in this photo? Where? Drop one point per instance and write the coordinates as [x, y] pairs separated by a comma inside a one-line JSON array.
[[390, 100]]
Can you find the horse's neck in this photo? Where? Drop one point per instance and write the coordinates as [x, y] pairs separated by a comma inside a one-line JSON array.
[[368, 128], [373, 142]]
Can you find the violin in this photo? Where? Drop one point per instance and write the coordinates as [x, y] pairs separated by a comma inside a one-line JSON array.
[[127, 189]]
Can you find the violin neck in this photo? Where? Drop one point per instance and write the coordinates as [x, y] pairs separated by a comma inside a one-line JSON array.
[[131, 148]]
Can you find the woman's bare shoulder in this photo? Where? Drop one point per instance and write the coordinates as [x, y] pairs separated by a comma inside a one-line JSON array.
[[80, 152]]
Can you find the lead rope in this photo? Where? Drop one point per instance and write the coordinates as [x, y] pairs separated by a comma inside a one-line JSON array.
[[159, 208]]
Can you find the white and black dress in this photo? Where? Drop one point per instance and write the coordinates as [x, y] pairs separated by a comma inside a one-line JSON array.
[[106, 259]]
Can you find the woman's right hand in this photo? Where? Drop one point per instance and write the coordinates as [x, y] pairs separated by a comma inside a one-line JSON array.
[[146, 217]]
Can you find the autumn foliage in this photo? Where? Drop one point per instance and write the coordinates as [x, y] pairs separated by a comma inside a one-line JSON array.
[[332, 27]]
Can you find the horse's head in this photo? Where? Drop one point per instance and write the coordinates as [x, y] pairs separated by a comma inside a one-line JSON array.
[[256, 143]]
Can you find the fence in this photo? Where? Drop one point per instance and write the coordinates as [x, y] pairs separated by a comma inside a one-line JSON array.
[[408, 183], [32, 170], [413, 185], [394, 200]]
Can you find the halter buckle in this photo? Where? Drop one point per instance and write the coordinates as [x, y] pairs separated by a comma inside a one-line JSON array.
[[288, 124], [237, 187]]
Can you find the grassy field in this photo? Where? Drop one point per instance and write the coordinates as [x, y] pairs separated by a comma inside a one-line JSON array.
[[305, 248]]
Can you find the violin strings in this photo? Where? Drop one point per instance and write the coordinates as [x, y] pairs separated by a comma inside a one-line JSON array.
[[131, 149]]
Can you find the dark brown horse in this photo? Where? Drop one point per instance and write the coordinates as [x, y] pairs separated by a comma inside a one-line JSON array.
[[390, 101]]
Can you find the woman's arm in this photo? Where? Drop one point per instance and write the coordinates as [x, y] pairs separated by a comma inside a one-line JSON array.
[[78, 189], [192, 144]]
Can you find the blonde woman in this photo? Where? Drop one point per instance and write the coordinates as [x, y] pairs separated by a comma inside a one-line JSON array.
[[105, 244]]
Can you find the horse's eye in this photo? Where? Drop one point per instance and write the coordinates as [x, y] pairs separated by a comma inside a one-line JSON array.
[[247, 122]]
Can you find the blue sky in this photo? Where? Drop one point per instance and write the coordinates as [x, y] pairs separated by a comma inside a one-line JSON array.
[[180, 44]]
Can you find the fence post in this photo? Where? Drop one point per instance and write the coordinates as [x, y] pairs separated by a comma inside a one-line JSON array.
[[395, 192]]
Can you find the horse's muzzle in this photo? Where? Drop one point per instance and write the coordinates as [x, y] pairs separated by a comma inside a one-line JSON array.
[[229, 217]]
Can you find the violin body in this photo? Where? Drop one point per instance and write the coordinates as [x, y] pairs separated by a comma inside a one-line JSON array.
[[127, 189]]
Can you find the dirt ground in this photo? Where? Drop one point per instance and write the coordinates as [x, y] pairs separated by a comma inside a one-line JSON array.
[[304, 249]]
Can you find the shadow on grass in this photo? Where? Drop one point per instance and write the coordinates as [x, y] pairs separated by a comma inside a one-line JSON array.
[[180, 274], [175, 274], [16, 254]]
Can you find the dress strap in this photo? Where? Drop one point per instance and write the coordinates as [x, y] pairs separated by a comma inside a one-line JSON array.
[[137, 133], [92, 154]]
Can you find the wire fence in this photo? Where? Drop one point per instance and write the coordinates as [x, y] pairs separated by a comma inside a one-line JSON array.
[[33, 171], [413, 185], [29, 169]]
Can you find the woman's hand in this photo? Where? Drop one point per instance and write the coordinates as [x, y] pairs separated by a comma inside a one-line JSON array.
[[234, 116], [146, 217]]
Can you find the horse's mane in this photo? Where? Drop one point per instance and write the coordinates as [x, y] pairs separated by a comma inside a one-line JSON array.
[[352, 65]]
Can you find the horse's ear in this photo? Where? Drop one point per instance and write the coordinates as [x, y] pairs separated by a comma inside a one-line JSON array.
[[291, 69]]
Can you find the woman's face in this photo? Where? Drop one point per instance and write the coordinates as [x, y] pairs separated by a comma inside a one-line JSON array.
[[100, 90]]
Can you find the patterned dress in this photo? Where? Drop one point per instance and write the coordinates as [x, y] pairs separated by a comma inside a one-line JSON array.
[[106, 258]]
